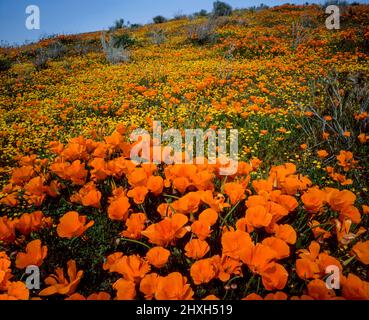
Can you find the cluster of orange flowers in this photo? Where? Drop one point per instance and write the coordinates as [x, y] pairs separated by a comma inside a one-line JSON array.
[[199, 205]]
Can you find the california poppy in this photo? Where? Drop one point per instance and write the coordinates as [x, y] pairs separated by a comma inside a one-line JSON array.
[[158, 256], [173, 287], [196, 248], [59, 284], [34, 255], [166, 231], [73, 225]]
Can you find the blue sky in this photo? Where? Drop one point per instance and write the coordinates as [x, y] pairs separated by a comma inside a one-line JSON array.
[[76, 16]]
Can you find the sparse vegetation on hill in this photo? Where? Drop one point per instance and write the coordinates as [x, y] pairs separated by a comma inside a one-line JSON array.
[[102, 227]]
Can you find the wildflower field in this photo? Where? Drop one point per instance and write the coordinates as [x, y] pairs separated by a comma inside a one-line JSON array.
[[99, 226]]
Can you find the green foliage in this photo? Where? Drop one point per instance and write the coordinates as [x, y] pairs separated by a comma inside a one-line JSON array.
[[123, 40], [221, 9], [159, 19], [5, 63], [119, 24]]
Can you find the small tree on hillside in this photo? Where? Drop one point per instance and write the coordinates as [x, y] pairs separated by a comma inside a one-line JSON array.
[[159, 19], [221, 9]]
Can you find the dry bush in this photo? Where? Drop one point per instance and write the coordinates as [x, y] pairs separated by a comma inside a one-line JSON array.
[[299, 34], [346, 96], [114, 54], [157, 36], [203, 33]]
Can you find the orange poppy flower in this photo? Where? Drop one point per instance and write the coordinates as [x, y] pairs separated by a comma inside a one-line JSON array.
[[126, 289], [73, 225], [5, 271], [173, 287], [158, 256], [288, 202], [258, 217], [319, 233], [132, 268], [16, 291], [165, 210], [211, 297], [31, 222], [285, 232], [166, 231], [74, 172], [314, 200], [274, 277], [100, 169], [226, 267], [148, 285], [187, 204], [203, 271], [361, 251], [196, 249], [100, 296], [34, 255], [135, 225], [7, 230], [75, 297], [155, 184], [235, 192], [35, 191], [351, 213], [138, 194], [181, 184], [201, 229], [88, 196], [209, 215], [346, 160], [237, 245], [119, 206], [137, 178], [279, 295], [322, 154], [318, 290], [253, 297], [59, 284], [280, 247], [353, 288]]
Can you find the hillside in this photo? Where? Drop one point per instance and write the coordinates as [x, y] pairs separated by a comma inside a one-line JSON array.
[[297, 93]]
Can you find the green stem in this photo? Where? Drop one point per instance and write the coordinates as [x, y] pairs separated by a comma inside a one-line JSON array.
[[136, 241], [170, 196], [345, 263], [229, 213]]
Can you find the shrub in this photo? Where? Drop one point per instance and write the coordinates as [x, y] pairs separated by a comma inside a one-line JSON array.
[[123, 40], [299, 34], [180, 16], [135, 25], [5, 63], [201, 13], [343, 107], [113, 54], [203, 33], [157, 36], [119, 24], [159, 19], [55, 50], [221, 9]]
